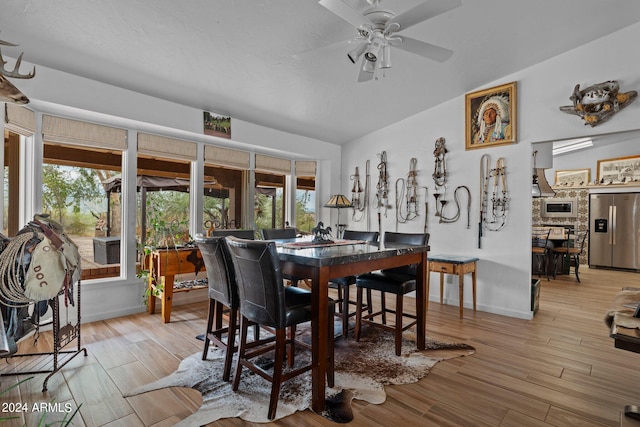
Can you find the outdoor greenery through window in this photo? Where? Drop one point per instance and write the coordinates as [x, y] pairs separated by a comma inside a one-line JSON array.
[[73, 194], [305, 204]]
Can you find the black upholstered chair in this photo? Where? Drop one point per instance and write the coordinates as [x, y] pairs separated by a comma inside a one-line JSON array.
[[398, 281], [265, 301], [223, 292], [281, 234], [343, 284], [278, 233], [243, 234]]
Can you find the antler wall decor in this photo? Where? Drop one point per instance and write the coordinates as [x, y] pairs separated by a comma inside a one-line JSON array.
[[598, 103], [8, 92]]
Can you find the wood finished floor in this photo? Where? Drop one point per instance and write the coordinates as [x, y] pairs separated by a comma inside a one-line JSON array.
[[559, 369]]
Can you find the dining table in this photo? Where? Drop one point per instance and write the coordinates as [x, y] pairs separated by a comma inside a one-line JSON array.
[[322, 262]]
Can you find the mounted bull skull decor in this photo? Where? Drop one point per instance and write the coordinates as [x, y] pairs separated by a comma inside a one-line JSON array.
[[8, 92], [598, 103]]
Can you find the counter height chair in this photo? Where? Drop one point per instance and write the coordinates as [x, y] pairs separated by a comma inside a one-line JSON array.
[[343, 284], [243, 234], [573, 250], [281, 234], [223, 292], [540, 249], [265, 301], [398, 281]]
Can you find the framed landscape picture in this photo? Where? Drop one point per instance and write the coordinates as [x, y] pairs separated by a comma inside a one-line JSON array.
[[217, 125], [490, 117], [619, 170], [573, 178]]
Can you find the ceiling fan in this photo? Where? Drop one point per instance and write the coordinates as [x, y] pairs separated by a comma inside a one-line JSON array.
[[377, 32]]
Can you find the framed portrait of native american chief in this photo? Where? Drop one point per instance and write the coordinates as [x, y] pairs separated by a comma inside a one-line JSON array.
[[491, 117]]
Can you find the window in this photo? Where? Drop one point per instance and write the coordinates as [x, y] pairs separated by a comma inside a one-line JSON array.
[[305, 196], [73, 193]]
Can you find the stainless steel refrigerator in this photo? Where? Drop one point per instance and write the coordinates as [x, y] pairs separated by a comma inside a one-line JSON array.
[[614, 230]]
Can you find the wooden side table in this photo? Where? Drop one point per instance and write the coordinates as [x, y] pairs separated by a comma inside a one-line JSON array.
[[453, 264], [164, 265]]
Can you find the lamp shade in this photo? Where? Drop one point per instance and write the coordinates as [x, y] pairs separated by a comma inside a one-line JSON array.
[[338, 201]]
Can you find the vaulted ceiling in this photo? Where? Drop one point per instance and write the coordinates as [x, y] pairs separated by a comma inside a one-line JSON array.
[[283, 63]]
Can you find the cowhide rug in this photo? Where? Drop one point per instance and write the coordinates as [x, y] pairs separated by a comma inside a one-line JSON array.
[[362, 370]]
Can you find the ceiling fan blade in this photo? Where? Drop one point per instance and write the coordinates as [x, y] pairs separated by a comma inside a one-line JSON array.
[[421, 12], [347, 13], [421, 48], [364, 76]]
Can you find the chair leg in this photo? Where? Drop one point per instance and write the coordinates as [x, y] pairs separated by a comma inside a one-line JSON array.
[[576, 260], [345, 310], [359, 313], [383, 303], [369, 302], [291, 351], [330, 349], [555, 264], [242, 349], [399, 308], [277, 372], [231, 343], [207, 341]]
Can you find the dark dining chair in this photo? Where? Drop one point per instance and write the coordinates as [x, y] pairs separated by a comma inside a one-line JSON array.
[[278, 233], [398, 281], [223, 292], [343, 284], [265, 301], [281, 234], [241, 233], [574, 249]]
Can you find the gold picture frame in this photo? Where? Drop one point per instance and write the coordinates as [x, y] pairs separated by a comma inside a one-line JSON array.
[[499, 105], [572, 178], [619, 170]]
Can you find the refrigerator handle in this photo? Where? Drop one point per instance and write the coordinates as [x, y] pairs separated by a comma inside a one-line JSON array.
[[614, 231], [611, 226]]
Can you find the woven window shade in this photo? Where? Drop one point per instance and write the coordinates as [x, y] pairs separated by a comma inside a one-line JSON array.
[[166, 148], [305, 168], [74, 132], [226, 157], [19, 119], [273, 164]]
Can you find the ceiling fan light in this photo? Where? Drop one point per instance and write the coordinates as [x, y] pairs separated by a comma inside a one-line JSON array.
[[369, 66], [385, 57], [355, 54]]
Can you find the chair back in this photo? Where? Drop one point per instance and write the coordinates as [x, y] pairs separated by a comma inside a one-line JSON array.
[[259, 279], [220, 272], [278, 233], [243, 234], [415, 239], [579, 240], [540, 237], [367, 236]]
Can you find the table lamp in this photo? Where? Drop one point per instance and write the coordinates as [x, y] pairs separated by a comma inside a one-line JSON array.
[[338, 201]]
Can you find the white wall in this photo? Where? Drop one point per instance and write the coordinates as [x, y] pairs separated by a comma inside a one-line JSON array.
[[504, 269]]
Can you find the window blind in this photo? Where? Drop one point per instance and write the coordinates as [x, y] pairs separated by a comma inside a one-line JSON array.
[[19, 119], [74, 132], [226, 157], [305, 168], [273, 164], [164, 147]]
